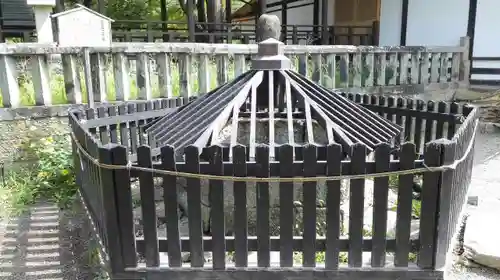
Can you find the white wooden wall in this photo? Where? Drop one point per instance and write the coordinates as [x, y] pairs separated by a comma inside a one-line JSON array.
[[487, 38]]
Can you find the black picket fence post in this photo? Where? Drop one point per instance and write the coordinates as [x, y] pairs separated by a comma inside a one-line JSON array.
[[429, 207], [445, 226], [108, 189]]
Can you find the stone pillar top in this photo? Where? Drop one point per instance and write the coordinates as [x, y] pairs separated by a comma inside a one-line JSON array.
[[270, 56], [270, 47]]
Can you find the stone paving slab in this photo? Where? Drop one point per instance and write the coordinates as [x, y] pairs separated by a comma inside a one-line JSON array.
[[45, 243]]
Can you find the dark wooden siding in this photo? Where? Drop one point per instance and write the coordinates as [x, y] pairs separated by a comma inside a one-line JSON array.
[[486, 67], [16, 15]]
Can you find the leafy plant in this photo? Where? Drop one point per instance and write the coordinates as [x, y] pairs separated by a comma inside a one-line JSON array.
[[412, 257], [56, 175], [416, 203], [52, 176], [415, 208], [15, 193], [393, 181], [320, 222]]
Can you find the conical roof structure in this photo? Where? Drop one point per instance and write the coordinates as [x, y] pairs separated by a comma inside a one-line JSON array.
[[269, 93]]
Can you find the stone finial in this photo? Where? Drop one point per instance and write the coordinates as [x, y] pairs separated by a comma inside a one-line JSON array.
[[268, 26], [270, 56]]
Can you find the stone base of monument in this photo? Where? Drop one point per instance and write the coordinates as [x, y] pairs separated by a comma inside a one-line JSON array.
[[280, 132]]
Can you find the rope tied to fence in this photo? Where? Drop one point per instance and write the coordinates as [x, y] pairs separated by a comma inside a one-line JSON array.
[[129, 166]]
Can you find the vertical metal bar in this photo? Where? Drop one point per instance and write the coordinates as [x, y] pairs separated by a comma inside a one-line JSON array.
[[289, 117], [271, 87], [253, 120]]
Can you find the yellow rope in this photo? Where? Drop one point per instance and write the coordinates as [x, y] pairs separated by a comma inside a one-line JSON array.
[[129, 167]]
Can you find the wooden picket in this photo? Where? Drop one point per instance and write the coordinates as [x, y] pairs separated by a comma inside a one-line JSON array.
[[107, 193]]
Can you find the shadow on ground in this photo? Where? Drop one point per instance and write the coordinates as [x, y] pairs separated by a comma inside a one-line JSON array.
[[47, 243]]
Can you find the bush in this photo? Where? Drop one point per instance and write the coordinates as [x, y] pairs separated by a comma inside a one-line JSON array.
[[50, 177]]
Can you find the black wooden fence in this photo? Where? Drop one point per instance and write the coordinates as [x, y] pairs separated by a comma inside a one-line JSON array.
[[158, 31], [171, 31], [433, 136]]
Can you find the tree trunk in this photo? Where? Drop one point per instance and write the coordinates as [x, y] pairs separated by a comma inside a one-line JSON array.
[[87, 3], [164, 18], [214, 14], [202, 18]]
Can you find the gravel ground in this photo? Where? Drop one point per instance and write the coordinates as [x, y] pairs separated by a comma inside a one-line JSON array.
[[465, 273], [13, 133]]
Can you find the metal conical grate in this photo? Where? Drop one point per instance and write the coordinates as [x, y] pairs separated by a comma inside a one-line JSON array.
[[267, 93]]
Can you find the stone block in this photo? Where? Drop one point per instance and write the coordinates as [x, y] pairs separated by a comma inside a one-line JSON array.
[[280, 133], [270, 47], [278, 62], [481, 243]]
